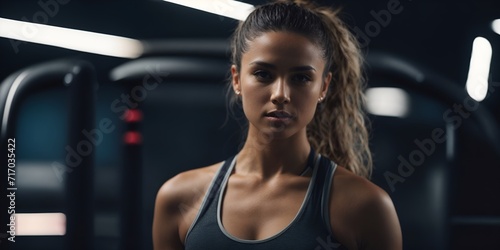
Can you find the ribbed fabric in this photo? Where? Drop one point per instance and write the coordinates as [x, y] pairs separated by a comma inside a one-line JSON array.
[[309, 230]]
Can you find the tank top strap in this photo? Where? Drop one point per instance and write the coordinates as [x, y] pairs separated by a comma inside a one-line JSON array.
[[319, 203], [329, 171], [213, 190], [318, 179]]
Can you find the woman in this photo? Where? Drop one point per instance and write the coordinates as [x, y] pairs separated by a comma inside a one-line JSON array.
[[296, 73]]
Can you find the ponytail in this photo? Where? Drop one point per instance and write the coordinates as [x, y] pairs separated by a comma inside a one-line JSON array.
[[338, 129]]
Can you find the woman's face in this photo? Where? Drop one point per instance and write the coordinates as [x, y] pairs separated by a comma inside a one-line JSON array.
[[280, 82]]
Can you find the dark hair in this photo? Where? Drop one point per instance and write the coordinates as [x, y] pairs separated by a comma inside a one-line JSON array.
[[338, 129], [287, 17]]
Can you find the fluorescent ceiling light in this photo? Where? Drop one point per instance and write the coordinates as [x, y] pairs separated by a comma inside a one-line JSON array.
[[228, 8], [495, 25], [479, 69], [40, 224], [387, 102], [71, 39]]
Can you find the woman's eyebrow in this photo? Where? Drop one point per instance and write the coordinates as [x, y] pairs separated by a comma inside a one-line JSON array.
[[303, 68], [272, 66], [263, 64]]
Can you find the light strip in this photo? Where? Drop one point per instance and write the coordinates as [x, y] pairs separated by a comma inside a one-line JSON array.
[[40, 224], [495, 25], [79, 40], [228, 8], [479, 69], [392, 102]]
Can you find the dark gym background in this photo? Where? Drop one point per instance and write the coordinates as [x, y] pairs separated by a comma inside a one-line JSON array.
[[450, 201]]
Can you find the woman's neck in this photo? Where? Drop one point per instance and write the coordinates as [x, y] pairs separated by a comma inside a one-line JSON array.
[[268, 157]]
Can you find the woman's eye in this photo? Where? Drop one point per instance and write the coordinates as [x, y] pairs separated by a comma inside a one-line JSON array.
[[301, 78], [262, 75]]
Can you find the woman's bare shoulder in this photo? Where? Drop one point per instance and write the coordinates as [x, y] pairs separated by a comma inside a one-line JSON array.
[[360, 206], [351, 184], [176, 203], [188, 185], [357, 193]]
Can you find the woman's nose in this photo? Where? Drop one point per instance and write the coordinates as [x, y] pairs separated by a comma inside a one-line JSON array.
[[280, 93]]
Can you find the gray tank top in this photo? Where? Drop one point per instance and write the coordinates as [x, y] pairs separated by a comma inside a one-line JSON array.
[[309, 230]]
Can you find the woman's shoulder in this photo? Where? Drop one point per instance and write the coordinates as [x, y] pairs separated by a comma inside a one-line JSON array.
[[351, 184], [358, 205], [357, 193], [187, 186], [177, 203]]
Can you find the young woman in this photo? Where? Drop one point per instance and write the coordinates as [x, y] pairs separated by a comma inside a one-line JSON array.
[[297, 74]]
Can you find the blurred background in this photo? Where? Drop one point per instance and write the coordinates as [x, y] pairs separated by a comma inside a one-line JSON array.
[[98, 132]]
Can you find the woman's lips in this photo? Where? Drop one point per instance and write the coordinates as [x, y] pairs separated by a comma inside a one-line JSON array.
[[279, 116]]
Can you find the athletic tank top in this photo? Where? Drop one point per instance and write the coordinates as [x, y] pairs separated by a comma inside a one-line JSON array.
[[309, 230]]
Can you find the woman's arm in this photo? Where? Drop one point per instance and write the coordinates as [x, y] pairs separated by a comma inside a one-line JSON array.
[[362, 215], [166, 218], [378, 224], [177, 204]]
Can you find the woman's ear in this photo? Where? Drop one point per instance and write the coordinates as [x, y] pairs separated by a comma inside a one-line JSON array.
[[326, 84], [235, 79]]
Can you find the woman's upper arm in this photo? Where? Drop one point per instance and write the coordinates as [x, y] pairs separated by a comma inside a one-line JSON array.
[[378, 223], [166, 218], [363, 216]]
